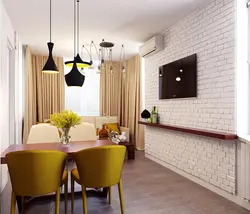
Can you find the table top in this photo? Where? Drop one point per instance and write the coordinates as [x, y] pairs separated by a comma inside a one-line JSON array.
[[71, 149]]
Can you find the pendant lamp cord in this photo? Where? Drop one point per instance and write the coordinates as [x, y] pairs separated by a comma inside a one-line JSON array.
[[74, 28], [78, 25], [50, 20]]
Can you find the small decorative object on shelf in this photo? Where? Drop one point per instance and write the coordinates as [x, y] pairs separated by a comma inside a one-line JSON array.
[[103, 133], [158, 117], [145, 115], [154, 115], [64, 121]]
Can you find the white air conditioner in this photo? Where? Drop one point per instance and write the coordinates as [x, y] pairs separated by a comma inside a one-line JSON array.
[[152, 46]]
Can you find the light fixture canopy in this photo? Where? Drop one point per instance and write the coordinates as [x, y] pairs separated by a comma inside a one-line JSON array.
[[105, 44], [50, 65], [74, 77]]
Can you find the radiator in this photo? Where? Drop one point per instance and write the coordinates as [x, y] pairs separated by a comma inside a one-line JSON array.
[[245, 170]]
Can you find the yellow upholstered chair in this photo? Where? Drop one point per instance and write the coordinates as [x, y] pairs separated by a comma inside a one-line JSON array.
[[35, 173], [98, 168]]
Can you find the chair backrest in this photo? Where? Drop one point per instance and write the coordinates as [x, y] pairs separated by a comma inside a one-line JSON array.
[[35, 172], [43, 133], [101, 166], [89, 119], [82, 132]]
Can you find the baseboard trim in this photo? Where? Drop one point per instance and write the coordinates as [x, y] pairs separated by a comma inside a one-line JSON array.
[[234, 198]]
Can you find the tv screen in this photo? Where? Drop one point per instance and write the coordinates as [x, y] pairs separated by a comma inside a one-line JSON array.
[[178, 79]]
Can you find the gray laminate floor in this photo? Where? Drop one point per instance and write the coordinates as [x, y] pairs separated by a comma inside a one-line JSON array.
[[148, 189]]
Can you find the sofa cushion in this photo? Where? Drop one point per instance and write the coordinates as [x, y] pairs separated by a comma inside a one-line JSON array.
[[113, 127]]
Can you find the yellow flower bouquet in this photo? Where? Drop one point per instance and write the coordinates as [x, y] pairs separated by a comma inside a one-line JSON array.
[[65, 120]]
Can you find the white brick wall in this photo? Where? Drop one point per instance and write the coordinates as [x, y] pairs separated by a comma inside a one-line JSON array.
[[210, 33]]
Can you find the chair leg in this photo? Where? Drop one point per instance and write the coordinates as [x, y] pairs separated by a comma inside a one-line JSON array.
[[84, 200], [66, 196], [13, 203], [58, 201], [72, 193], [110, 195], [121, 196], [22, 204]]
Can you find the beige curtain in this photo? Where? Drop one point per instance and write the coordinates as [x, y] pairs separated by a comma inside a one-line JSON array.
[[49, 87], [30, 112], [131, 101], [120, 95], [110, 89], [44, 93]]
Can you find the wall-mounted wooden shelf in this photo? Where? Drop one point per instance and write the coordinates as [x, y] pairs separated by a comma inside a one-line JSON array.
[[206, 133]]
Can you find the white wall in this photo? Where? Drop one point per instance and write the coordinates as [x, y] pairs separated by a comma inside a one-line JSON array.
[[10, 89], [210, 33]]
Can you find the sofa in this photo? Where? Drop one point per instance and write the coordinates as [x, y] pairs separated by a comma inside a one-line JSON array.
[[98, 121]]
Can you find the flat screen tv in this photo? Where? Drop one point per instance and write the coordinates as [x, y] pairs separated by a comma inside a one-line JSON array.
[[178, 79]]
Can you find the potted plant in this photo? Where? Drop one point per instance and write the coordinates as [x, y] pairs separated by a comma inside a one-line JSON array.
[[64, 121]]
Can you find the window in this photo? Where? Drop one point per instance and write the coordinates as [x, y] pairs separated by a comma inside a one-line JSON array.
[[242, 68], [84, 101]]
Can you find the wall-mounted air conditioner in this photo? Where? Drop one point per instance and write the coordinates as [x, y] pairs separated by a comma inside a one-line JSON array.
[[152, 46]]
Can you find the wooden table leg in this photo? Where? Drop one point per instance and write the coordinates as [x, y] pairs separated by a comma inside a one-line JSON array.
[[19, 203], [130, 149], [105, 192], [131, 152]]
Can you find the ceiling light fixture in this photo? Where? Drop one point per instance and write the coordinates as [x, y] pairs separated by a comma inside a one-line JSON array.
[[122, 58], [79, 62], [74, 77], [50, 65], [106, 48], [105, 53]]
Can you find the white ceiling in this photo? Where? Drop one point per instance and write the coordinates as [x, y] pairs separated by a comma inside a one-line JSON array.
[[128, 22]]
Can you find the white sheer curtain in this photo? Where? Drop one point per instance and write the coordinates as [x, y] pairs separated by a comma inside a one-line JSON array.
[[84, 100]]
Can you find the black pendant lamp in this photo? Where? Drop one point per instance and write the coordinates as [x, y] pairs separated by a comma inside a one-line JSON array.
[[50, 66], [74, 77], [79, 62]]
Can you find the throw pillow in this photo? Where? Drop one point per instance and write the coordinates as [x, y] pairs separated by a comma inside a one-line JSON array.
[[113, 127]]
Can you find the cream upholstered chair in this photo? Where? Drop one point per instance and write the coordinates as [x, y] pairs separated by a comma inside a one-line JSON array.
[[82, 132], [43, 133]]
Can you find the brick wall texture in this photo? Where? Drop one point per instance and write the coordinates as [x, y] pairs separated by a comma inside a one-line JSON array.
[[210, 33]]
